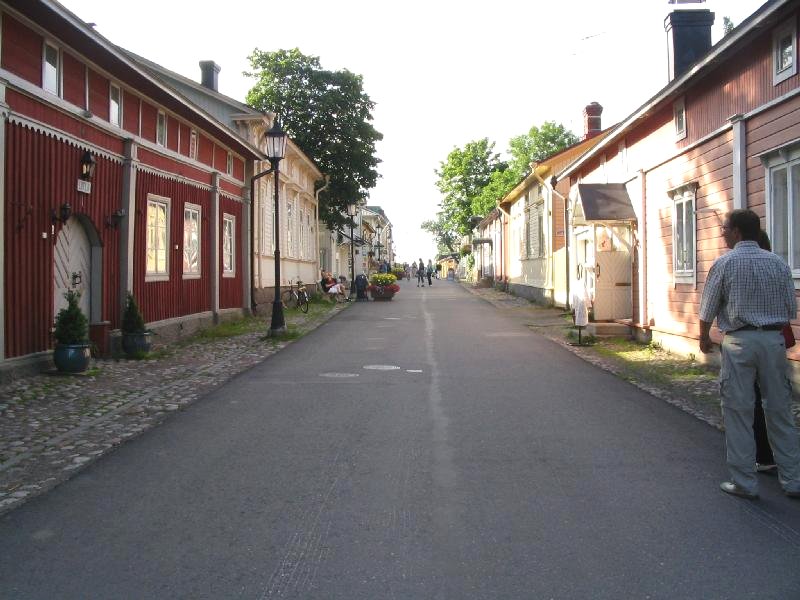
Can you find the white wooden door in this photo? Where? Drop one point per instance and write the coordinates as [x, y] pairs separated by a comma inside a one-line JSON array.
[[72, 266], [612, 295]]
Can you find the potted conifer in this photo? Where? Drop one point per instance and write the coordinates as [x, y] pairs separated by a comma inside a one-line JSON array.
[[135, 337], [72, 352]]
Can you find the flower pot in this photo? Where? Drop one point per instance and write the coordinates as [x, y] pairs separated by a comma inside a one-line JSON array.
[[72, 358], [134, 344], [381, 293]]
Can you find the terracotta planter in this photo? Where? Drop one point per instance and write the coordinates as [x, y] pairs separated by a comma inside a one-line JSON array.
[[381, 293]]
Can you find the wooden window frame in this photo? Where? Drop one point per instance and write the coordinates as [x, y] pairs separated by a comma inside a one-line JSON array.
[[684, 195], [679, 108], [59, 68], [119, 113], [155, 275], [195, 208], [783, 158], [161, 132], [230, 270], [193, 139], [229, 164], [780, 34]]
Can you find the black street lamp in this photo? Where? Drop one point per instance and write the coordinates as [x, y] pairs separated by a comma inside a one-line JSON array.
[[352, 210], [276, 150]]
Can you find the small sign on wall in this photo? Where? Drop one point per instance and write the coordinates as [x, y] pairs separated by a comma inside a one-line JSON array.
[[84, 186]]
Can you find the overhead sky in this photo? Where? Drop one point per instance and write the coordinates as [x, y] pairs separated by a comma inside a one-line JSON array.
[[442, 72]]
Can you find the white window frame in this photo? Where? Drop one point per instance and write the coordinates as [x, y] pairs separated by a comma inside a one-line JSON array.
[[155, 275], [230, 233], [787, 30], [59, 69], [161, 131], [679, 108], [196, 208], [111, 113], [193, 144], [785, 157], [681, 196], [229, 164]]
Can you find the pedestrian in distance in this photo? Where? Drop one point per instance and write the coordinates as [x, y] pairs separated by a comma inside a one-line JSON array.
[[414, 271], [421, 273], [750, 293], [429, 271]]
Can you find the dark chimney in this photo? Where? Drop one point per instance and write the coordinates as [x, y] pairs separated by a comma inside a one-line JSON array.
[[688, 38], [591, 120], [209, 74]]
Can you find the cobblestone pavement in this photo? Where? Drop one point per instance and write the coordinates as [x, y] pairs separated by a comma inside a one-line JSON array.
[[698, 398], [52, 425]]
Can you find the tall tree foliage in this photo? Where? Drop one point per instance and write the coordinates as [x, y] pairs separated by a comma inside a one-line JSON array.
[[473, 179], [328, 115]]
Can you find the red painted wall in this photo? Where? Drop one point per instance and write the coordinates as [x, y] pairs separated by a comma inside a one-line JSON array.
[[230, 288], [74, 81], [22, 50], [98, 95], [205, 151], [149, 121], [172, 134], [175, 297], [41, 174], [130, 112], [238, 169], [220, 159]]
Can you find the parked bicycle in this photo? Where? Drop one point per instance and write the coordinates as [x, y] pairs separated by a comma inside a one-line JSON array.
[[296, 297]]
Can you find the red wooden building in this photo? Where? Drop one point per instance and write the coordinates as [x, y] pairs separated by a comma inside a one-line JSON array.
[[162, 215], [648, 201]]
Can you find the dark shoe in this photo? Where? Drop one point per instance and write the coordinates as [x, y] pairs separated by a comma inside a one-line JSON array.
[[731, 488], [766, 467], [792, 494]]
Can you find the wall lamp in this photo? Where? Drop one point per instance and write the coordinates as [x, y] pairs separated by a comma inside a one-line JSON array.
[[62, 215], [114, 219], [88, 164]]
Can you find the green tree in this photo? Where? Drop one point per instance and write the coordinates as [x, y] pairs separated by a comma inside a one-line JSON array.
[[727, 25], [328, 115], [462, 176], [538, 144]]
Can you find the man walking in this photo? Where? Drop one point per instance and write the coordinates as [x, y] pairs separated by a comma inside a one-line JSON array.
[[751, 294]]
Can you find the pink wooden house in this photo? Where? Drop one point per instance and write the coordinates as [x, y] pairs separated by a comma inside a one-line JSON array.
[[647, 202], [162, 215]]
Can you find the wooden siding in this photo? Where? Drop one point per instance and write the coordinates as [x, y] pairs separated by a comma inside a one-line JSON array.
[[205, 150], [98, 95], [148, 121], [74, 81], [175, 297], [230, 288], [170, 165], [130, 112], [172, 134], [22, 50], [220, 159], [238, 169], [41, 174]]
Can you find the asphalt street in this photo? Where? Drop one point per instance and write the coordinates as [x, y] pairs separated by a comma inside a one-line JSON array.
[[427, 447]]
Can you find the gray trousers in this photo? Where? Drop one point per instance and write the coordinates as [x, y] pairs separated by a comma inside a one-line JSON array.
[[747, 355]]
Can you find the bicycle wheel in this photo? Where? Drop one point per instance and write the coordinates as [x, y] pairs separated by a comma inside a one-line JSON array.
[[302, 301], [289, 298]]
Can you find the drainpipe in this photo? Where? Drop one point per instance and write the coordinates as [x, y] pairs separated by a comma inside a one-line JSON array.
[[553, 182], [316, 216]]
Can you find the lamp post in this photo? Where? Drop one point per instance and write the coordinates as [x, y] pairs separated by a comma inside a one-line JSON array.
[[276, 150], [352, 209], [379, 228]]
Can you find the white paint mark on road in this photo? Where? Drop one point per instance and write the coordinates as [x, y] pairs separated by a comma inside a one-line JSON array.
[[381, 368], [338, 375], [391, 318], [413, 370]]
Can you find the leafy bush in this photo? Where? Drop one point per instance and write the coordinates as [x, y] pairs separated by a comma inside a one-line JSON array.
[[132, 320], [72, 327], [382, 279]]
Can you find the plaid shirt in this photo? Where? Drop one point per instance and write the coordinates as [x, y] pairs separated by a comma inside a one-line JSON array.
[[748, 286]]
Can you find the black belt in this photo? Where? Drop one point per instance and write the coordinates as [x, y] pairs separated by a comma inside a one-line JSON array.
[[771, 327]]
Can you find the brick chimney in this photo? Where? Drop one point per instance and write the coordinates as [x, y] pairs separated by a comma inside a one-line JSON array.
[[591, 120], [209, 74], [688, 38]]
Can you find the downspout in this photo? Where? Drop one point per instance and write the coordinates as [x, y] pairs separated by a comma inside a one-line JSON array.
[[316, 217], [643, 253], [553, 182]]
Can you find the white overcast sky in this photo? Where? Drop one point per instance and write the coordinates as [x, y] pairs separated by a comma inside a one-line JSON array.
[[442, 72]]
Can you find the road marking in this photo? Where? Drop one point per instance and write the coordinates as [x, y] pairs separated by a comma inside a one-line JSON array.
[[391, 318], [413, 370], [381, 368], [340, 375]]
